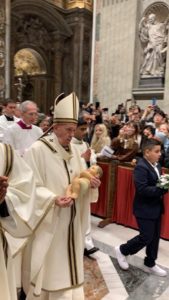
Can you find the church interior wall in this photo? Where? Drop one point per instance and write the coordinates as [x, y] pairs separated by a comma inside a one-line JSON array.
[[118, 54], [115, 52]]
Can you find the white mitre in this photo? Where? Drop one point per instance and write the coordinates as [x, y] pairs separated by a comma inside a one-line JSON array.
[[66, 110]]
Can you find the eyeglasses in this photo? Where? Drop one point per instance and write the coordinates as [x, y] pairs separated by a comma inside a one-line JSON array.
[[32, 114]]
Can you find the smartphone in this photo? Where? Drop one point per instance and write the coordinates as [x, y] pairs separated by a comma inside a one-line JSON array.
[[97, 104], [153, 101]]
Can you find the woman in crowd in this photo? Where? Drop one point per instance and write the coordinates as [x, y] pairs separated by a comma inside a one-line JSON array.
[[148, 132], [164, 129], [126, 146], [100, 138]]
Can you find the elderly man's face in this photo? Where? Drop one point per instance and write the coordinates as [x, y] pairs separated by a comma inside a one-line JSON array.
[[30, 115], [64, 133]]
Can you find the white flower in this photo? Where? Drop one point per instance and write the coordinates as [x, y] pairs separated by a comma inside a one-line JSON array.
[[163, 181]]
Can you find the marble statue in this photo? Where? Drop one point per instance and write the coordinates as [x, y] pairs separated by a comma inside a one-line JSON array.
[[153, 36], [2, 20], [2, 59]]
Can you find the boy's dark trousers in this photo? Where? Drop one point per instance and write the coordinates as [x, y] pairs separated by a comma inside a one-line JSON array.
[[149, 237]]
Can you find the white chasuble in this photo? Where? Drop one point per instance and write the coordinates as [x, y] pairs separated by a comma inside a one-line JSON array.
[[57, 261]]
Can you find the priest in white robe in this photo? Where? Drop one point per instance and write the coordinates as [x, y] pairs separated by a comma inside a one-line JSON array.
[[22, 134], [88, 158], [8, 117], [58, 245], [17, 214]]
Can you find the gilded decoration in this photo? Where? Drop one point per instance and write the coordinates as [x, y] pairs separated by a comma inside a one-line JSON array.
[[28, 61], [88, 4]]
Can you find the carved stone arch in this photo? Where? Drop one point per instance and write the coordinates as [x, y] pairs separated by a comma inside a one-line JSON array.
[[35, 24], [58, 35], [160, 9], [49, 14], [42, 27]]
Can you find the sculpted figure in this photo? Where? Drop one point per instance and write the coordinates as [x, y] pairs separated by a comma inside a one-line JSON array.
[[2, 20], [2, 60], [20, 86], [81, 183], [153, 36]]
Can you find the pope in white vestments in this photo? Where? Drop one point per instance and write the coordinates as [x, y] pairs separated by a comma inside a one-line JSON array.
[[58, 245]]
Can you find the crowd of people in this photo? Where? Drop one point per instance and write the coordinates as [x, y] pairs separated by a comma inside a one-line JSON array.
[[125, 130], [41, 156]]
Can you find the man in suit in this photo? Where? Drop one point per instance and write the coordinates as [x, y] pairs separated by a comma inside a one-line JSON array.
[[148, 208]]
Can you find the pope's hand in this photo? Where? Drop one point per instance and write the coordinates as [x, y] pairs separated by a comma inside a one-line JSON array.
[[63, 201], [95, 182]]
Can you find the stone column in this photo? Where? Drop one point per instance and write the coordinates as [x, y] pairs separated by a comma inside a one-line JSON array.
[[58, 50], [81, 52], [78, 56], [80, 22], [93, 51], [7, 48], [2, 50]]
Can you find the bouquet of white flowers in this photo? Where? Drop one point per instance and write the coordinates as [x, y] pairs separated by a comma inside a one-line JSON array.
[[163, 182]]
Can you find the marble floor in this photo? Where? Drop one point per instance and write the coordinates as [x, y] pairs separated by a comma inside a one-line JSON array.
[[105, 280]]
